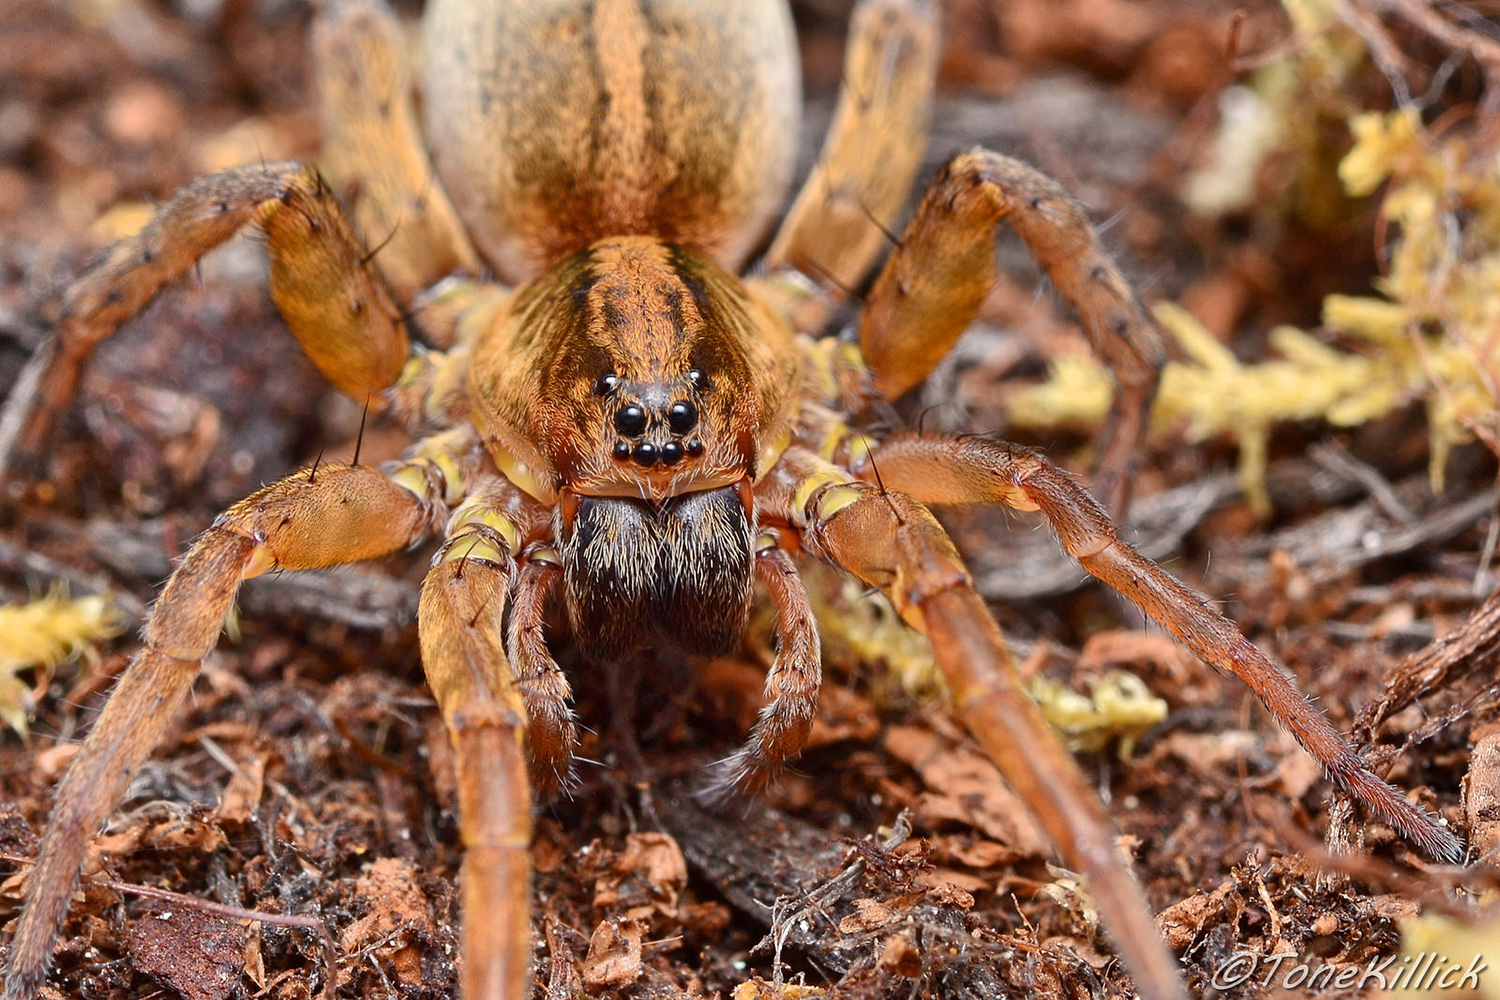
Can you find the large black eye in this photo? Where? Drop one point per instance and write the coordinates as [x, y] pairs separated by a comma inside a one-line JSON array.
[[630, 420], [699, 379], [682, 417], [606, 383]]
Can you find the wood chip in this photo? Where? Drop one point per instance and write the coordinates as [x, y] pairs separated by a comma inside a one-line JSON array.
[[614, 957], [967, 788], [1482, 799], [396, 915], [197, 954]]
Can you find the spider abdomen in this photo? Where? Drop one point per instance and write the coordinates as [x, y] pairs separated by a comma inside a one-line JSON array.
[[554, 124]]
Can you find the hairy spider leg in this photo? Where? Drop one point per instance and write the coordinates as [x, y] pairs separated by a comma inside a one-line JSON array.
[[373, 152], [944, 470], [792, 684], [321, 281], [933, 283], [842, 218], [461, 627], [891, 541], [552, 733], [335, 514]]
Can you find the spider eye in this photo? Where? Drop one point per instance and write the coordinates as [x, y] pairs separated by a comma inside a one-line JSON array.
[[699, 379], [682, 417], [606, 384], [631, 421]]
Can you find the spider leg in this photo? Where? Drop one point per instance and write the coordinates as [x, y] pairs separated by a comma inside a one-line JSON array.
[[791, 685], [338, 513], [551, 735], [946, 470], [332, 300], [460, 625], [889, 540], [934, 282], [373, 150], [841, 220]]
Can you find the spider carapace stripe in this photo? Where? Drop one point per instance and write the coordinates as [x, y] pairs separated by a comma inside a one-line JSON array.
[[635, 427], [575, 384]]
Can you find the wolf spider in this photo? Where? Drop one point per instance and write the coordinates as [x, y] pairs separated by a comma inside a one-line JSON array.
[[630, 421]]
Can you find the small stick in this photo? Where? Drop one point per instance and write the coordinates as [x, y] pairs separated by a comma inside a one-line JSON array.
[[318, 927]]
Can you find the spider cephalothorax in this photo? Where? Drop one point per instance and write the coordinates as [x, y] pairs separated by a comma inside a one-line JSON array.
[[633, 424], [638, 368], [642, 388]]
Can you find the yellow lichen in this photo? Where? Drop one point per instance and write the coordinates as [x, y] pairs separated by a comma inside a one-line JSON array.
[[858, 626], [1118, 706], [1429, 334], [41, 634]]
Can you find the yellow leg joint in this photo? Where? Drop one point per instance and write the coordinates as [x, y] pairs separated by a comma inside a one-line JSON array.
[[262, 560], [544, 554], [803, 495], [474, 532], [835, 499], [413, 477], [453, 477], [860, 446], [473, 545]]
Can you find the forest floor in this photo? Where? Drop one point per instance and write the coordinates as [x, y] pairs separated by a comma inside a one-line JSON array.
[[311, 775]]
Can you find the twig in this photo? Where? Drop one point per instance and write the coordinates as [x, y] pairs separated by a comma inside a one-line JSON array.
[[1391, 61], [1420, 13], [290, 920], [1434, 887], [1473, 648], [784, 918], [1337, 460]]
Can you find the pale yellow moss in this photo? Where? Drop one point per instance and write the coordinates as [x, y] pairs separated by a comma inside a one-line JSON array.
[[1381, 143], [1212, 394], [859, 626], [1377, 320], [1432, 336], [1118, 706], [41, 634], [761, 989], [1226, 182]]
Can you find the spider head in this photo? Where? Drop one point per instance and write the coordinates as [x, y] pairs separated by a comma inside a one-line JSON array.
[[643, 389], [634, 368]]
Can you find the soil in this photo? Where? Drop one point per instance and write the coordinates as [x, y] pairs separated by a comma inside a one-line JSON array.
[[311, 777]]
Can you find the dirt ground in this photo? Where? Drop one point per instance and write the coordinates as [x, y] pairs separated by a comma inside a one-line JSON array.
[[310, 775]]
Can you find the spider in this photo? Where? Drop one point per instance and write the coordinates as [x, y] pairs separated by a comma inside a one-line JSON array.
[[626, 418]]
